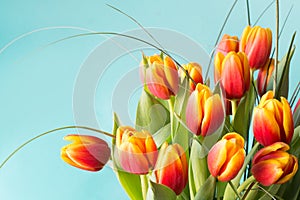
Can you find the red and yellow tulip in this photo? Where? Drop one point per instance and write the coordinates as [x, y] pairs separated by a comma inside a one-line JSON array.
[[264, 76], [228, 43], [233, 73], [273, 165], [226, 157], [86, 152], [195, 72], [160, 75], [172, 168], [256, 42], [204, 112], [273, 120], [137, 151]]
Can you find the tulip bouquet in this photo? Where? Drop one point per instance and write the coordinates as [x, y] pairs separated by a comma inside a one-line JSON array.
[[238, 140]]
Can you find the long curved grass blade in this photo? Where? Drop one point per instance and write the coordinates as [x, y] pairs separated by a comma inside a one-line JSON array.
[[39, 30], [248, 12], [137, 22], [130, 37], [218, 38], [295, 94], [263, 12]]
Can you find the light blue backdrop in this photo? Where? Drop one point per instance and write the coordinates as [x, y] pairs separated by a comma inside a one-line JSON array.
[[37, 82]]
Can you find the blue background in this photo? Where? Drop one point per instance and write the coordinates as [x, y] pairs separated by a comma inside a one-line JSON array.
[[37, 84]]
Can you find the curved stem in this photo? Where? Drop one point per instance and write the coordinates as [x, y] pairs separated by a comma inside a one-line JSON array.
[[248, 13], [276, 46], [171, 109], [235, 190], [51, 131], [144, 183]]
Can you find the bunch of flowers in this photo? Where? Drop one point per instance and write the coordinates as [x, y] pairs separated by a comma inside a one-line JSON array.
[[239, 140]]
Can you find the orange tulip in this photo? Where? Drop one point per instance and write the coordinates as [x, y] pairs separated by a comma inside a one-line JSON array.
[[160, 75], [226, 157], [195, 72], [233, 73], [204, 111], [256, 42], [264, 76], [172, 168], [273, 120], [137, 151], [273, 165], [228, 43], [86, 152]]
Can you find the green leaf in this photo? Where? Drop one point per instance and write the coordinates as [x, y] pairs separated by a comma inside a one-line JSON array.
[[243, 114], [198, 171], [151, 115], [296, 117], [162, 135], [130, 182], [158, 192], [207, 190], [282, 80]]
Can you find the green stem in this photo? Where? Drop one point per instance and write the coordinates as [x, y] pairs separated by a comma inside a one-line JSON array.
[[246, 183], [171, 109], [51, 131], [234, 189], [248, 13], [144, 183], [233, 108], [276, 47]]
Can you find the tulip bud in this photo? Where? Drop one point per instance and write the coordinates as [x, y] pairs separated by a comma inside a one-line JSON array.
[[226, 157], [233, 73], [195, 72], [137, 151], [273, 165], [228, 43], [86, 152], [256, 42], [264, 76], [172, 168], [160, 75], [273, 120], [204, 111]]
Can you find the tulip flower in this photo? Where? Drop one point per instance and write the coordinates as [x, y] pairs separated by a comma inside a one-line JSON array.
[[272, 120], [233, 73], [226, 157], [172, 168], [137, 151], [195, 72], [228, 43], [256, 42], [264, 76], [86, 152], [273, 165], [204, 112], [160, 75]]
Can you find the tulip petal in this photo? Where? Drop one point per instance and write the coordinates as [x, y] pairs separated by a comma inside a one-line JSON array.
[[267, 172], [213, 115], [288, 123], [278, 146], [217, 157], [290, 170], [232, 168], [194, 113], [265, 128]]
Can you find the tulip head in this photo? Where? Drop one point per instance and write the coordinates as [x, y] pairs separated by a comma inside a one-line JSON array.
[[195, 72], [264, 76], [228, 43], [233, 73], [204, 111], [86, 152], [160, 75], [273, 120], [256, 42], [137, 151], [273, 165], [226, 157], [172, 168]]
